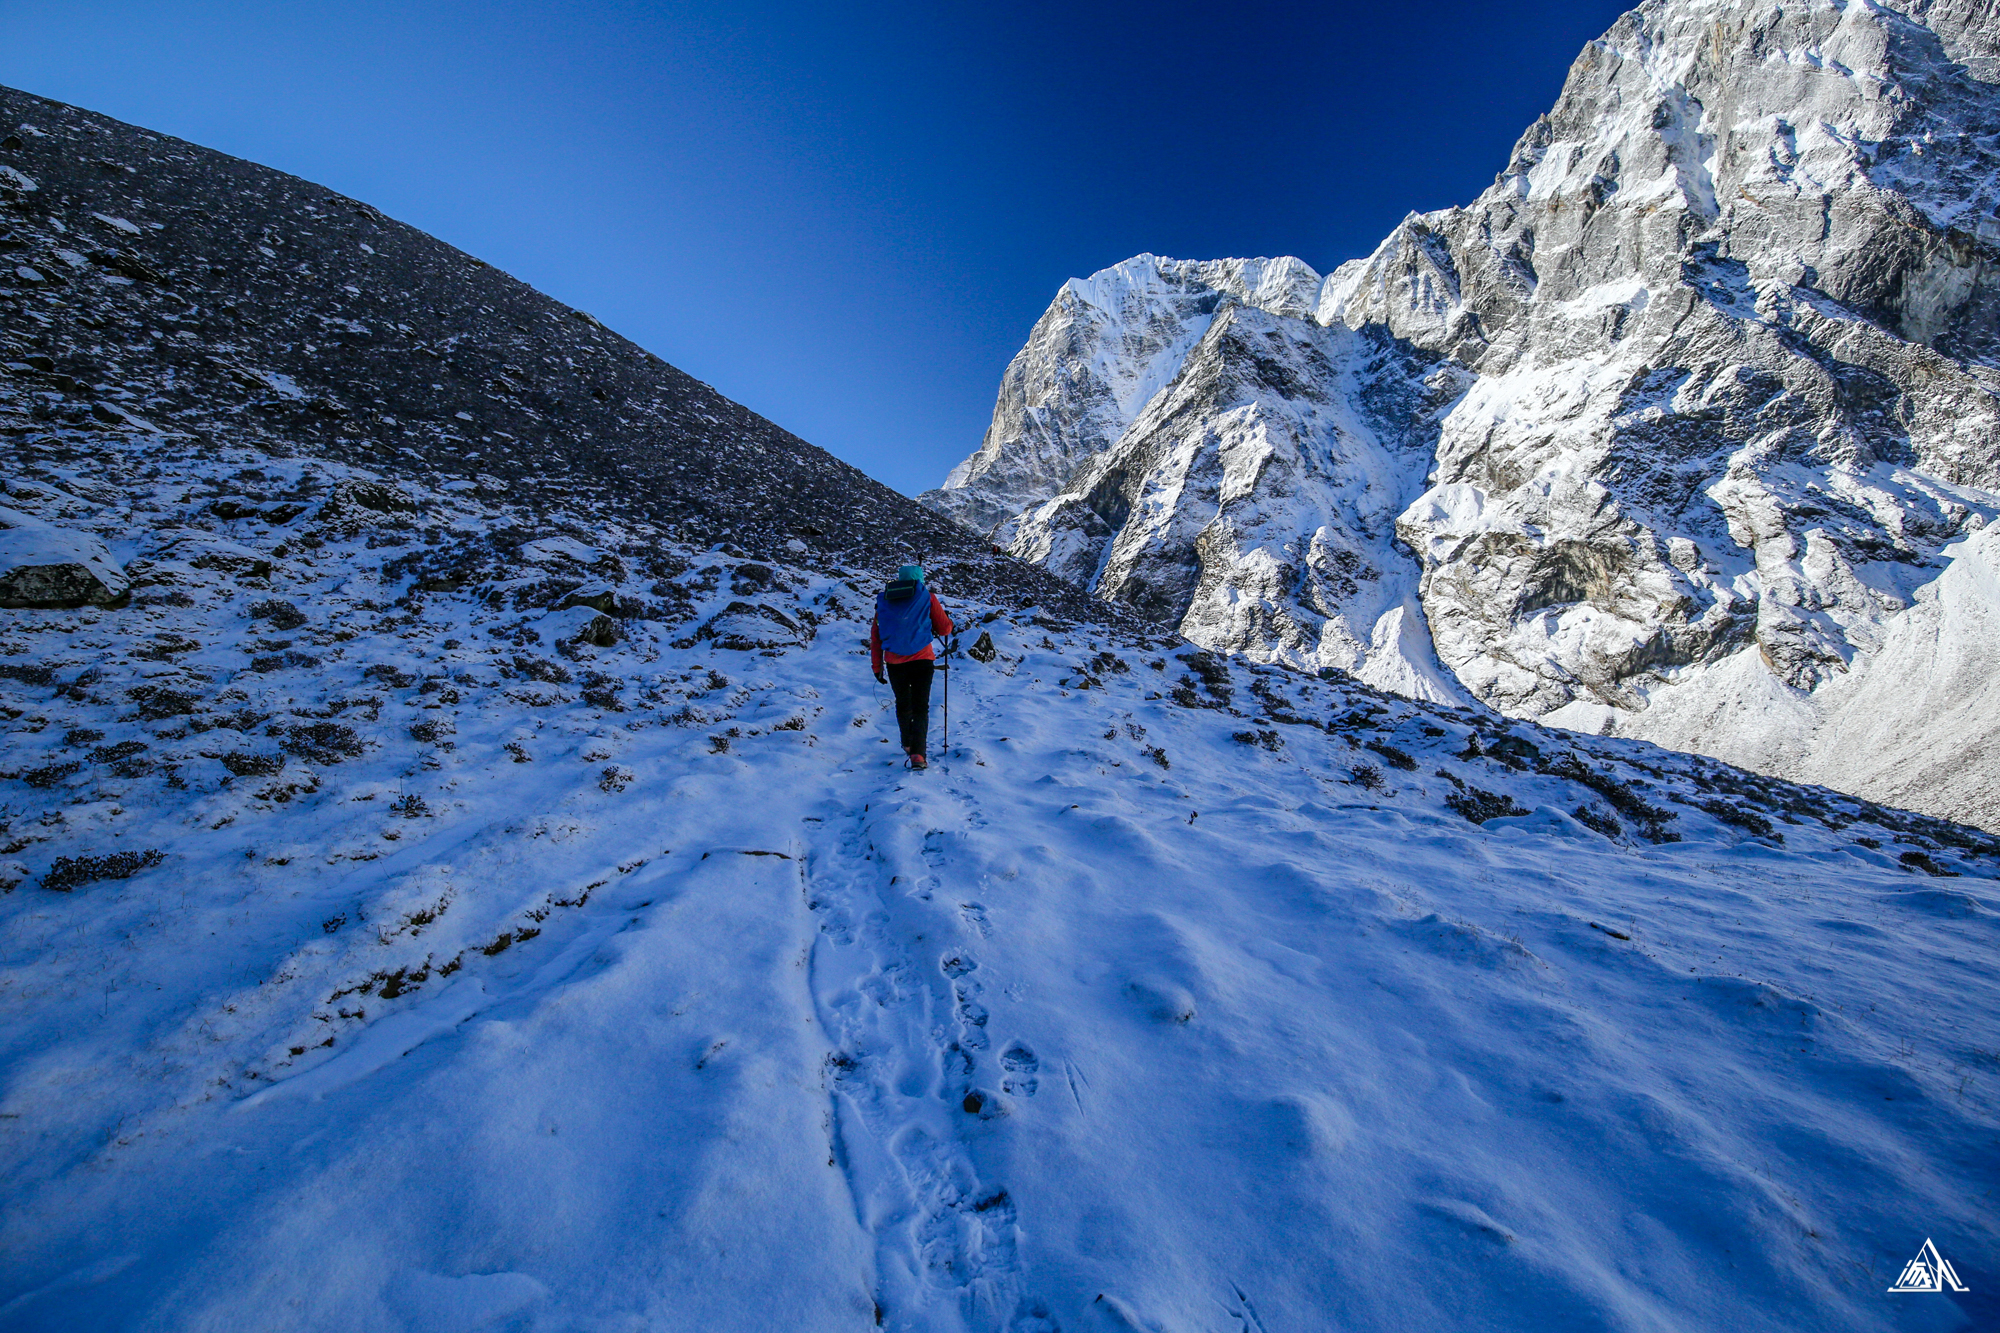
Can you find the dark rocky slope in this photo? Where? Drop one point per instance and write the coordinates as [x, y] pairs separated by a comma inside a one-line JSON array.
[[211, 298]]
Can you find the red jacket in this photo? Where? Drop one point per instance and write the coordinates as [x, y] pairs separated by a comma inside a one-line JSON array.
[[940, 625]]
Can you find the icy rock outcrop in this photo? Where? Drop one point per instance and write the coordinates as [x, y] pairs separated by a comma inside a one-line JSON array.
[[1733, 318], [1704, 389], [1252, 501], [42, 565], [1105, 347]]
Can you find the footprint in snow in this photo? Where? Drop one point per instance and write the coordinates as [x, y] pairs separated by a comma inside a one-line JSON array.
[[972, 1014], [1021, 1066]]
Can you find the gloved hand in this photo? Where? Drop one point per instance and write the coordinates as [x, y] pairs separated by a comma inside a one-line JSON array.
[[881, 679]]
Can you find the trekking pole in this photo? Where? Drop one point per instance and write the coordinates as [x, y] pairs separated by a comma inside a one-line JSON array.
[[947, 699]]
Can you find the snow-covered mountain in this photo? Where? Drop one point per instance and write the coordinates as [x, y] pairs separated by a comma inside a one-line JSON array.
[[454, 878], [1675, 432]]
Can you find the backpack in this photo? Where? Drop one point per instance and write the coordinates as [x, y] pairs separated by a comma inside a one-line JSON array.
[[903, 613]]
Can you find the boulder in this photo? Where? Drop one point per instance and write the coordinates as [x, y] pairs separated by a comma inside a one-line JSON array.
[[353, 505], [581, 624], [379, 496], [202, 550], [747, 627], [42, 565], [597, 599]]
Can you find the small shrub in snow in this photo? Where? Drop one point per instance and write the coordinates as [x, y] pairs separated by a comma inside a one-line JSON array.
[[520, 753], [282, 614], [241, 720], [1366, 776], [1649, 819], [27, 675], [322, 742], [68, 872], [1106, 663], [1919, 861], [540, 668], [1737, 817], [1479, 806], [430, 731], [50, 774], [1512, 751], [793, 723], [1214, 675], [615, 778], [601, 691], [290, 659], [1396, 758], [1602, 821], [157, 703], [243, 764]]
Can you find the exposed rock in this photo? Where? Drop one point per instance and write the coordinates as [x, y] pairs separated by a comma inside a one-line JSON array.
[[581, 623], [42, 565], [746, 627], [375, 497], [201, 550]]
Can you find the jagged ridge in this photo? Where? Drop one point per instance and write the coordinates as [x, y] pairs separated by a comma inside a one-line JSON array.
[[1693, 406]]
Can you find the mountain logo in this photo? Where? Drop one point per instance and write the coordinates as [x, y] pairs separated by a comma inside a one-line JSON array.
[[1929, 1271]]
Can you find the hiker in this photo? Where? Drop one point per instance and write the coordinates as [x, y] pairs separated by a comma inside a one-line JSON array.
[[907, 615]]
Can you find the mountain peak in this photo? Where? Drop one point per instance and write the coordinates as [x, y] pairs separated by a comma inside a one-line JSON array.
[[1668, 428]]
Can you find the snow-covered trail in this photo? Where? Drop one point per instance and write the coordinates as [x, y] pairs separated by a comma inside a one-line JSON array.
[[1053, 1036]]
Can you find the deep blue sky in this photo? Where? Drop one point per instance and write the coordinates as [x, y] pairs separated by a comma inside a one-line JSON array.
[[847, 216]]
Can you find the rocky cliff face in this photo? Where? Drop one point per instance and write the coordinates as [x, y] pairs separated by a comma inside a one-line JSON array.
[[1666, 434], [1107, 345]]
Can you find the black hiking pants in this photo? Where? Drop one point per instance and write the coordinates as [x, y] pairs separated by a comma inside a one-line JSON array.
[[912, 683]]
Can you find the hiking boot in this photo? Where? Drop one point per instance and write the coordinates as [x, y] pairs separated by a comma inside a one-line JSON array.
[[918, 761]]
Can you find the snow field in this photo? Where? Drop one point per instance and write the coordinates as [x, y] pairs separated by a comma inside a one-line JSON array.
[[1049, 1037]]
